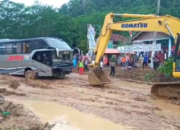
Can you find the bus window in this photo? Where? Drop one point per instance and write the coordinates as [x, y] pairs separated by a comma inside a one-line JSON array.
[[9, 48], [29, 46], [41, 44], [26, 48], [19, 48], [37, 44]]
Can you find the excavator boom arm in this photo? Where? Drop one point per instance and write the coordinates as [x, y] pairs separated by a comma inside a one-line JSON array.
[[147, 23]]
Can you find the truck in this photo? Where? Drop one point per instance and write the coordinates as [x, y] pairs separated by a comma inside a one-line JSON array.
[[36, 57]]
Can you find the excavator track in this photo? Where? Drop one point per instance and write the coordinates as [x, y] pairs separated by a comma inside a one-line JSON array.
[[168, 90]]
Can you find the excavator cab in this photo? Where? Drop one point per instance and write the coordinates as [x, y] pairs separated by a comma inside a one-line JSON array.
[[97, 76]]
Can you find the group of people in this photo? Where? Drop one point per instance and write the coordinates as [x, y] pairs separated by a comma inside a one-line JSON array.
[[105, 62], [80, 62], [132, 60], [159, 59]]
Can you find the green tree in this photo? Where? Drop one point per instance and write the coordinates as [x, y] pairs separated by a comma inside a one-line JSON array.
[[69, 22]]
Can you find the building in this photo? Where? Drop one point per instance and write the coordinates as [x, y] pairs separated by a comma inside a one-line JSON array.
[[165, 40], [115, 38], [148, 38]]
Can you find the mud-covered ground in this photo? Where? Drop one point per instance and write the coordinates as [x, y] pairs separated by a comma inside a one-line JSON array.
[[121, 102], [15, 116]]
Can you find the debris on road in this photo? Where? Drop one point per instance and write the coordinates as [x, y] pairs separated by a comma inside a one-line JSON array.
[[14, 84]]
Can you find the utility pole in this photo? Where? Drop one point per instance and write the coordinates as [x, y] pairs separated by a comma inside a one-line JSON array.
[[155, 33], [157, 13], [158, 7]]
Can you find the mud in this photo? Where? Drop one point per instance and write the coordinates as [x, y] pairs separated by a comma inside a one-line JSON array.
[[53, 112], [14, 84], [124, 103], [19, 118]]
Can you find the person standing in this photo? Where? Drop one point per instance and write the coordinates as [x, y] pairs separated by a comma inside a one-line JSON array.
[[155, 62], [145, 61], [131, 61], [127, 59], [101, 65], [161, 58], [136, 59], [74, 63], [119, 61], [105, 61], [81, 67], [165, 55], [112, 64], [123, 60], [140, 61], [86, 64]]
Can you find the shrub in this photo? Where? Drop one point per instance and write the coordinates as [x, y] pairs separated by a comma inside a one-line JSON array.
[[167, 68]]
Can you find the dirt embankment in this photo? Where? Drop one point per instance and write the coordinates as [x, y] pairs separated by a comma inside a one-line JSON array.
[[145, 75], [127, 103]]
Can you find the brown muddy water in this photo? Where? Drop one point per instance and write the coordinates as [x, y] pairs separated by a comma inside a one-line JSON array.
[[52, 112]]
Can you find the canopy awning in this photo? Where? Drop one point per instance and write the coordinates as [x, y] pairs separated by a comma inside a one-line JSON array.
[[112, 51]]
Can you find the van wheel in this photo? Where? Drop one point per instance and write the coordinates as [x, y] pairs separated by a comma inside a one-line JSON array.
[[29, 74]]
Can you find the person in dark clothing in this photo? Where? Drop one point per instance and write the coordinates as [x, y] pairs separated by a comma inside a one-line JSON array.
[[86, 65], [155, 62], [145, 61], [112, 64], [112, 70]]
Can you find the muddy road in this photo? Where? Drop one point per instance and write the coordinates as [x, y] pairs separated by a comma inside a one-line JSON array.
[[125, 103]]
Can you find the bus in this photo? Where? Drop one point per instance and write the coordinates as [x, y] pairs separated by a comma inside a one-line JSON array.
[[36, 57]]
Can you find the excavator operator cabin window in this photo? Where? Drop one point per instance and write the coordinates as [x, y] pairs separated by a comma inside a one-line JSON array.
[[178, 61]]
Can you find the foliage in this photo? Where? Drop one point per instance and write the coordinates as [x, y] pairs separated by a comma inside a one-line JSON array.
[[167, 67], [69, 21]]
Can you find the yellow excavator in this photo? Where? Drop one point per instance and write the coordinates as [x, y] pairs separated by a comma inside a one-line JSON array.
[[143, 23]]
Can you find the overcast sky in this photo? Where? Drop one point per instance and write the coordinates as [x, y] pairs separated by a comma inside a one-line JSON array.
[[55, 3]]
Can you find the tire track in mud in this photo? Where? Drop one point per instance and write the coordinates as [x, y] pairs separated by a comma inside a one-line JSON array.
[[118, 102], [143, 120]]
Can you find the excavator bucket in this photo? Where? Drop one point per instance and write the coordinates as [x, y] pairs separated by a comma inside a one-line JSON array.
[[98, 77]]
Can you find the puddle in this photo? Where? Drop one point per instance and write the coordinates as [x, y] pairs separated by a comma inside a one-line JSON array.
[[49, 111], [167, 107]]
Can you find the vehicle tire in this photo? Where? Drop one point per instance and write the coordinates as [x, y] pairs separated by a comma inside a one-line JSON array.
[[29, 74]]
